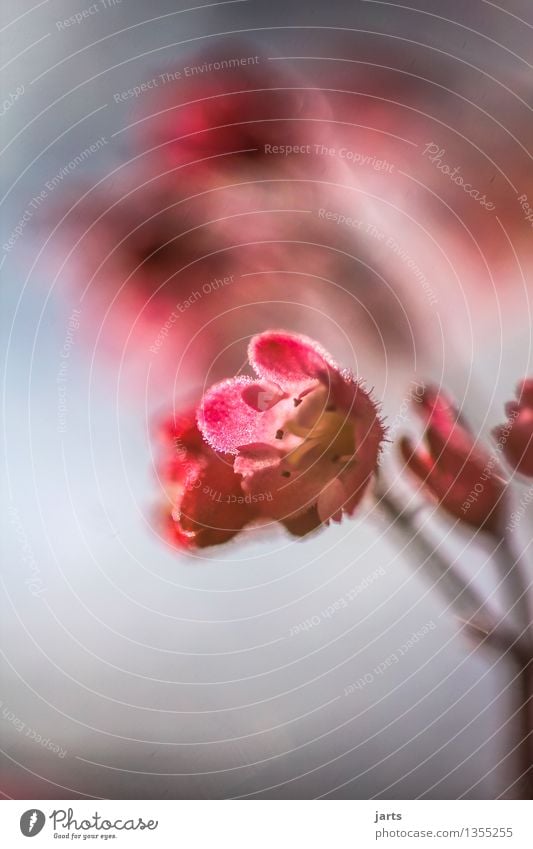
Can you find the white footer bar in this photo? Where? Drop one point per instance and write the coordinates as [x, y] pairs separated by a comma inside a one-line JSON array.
[[269, 824]]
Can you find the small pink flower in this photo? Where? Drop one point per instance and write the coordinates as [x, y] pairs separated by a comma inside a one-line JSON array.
[[457, 471], [516, 436], [305, 436], [298, 444]]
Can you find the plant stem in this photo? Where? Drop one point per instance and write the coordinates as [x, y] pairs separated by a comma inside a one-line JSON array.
[[464, 596], [512, 569], [526, 729], [500, 633]]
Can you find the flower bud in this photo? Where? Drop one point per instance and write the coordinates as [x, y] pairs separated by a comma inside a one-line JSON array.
[[455, 468]]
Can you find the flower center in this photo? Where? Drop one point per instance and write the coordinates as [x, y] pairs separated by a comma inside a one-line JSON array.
[[326, 434]]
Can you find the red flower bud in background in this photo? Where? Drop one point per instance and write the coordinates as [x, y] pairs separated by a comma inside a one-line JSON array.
[[516, 436], [190, 243], [454, 467], [234, 117]]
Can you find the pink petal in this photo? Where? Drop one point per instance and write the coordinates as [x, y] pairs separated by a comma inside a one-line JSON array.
[[369, 432], [288, 359], [294, 489], [228, 422], [179, 432], [331, 501], [287, 497], [262, 396], [303, 523], [215, 508], [254, 457]]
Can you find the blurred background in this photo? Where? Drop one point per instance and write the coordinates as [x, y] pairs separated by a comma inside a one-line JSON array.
[[261, 668]]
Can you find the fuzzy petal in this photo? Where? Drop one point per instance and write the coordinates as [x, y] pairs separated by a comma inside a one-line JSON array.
[[290, 360], [227, 421], [368, 435]]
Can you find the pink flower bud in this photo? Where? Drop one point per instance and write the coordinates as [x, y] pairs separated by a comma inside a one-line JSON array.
[[454, 468]]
